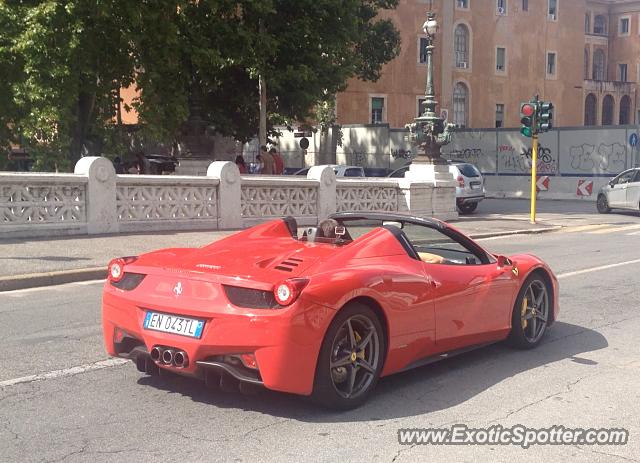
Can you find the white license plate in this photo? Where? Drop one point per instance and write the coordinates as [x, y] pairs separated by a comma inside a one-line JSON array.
[[476, 186], [173, 324]]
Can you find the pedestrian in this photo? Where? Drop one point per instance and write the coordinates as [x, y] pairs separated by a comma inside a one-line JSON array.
[[258, 165], [242, 166], [278, 162], [267, 161], [144, 166]]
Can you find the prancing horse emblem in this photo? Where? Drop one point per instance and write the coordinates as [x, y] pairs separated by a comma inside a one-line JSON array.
[[177, 289]]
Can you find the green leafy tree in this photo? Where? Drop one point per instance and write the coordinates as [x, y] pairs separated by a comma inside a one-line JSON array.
[[62, 65]]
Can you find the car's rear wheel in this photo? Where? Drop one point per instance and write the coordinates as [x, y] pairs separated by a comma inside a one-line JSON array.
[[603, 205], [351, 358], [531, 313], [467, 208]]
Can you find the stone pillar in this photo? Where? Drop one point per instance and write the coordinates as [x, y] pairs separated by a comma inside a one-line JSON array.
[[327, 198], [443, 197], [415, 197], [101, 194], [229, 194]]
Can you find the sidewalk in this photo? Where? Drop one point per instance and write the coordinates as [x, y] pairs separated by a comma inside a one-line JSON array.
[[33, 262]]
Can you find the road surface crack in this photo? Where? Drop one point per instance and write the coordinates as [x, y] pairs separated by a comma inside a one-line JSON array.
[[615, 455]]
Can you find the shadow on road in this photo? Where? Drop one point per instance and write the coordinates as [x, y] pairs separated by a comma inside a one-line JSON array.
[[423, 390]]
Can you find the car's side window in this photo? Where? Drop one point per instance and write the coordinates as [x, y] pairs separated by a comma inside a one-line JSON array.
[[435, 247], [625, 178], [637, 177]]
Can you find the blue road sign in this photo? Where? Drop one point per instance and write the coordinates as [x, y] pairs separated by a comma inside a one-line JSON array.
[[633, 139]]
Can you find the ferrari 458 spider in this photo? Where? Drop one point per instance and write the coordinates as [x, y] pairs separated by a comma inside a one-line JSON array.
[[322, 311]]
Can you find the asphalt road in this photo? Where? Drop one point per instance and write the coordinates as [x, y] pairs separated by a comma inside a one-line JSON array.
[[585, 374]]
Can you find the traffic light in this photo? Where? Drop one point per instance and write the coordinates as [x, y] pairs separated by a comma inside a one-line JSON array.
[[528, 118], [545, 116]]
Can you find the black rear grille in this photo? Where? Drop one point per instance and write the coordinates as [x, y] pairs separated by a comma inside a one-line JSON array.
[[250, 298]]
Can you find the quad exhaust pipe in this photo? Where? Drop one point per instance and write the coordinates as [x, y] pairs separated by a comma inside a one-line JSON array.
[[169, 356]]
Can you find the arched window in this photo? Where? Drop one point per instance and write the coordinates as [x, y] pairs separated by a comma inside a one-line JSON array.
[[462, 46], [598, 65], [587, 23], [600, 25], [625, 110], [586, 63], [590, 110], [460, 104], [607, 110]]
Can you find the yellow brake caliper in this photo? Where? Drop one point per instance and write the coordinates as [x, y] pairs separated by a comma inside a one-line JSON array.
[[525, 302]]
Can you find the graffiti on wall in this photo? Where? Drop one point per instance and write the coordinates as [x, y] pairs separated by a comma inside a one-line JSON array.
[[606, 158], [402, 154], [520, 162]]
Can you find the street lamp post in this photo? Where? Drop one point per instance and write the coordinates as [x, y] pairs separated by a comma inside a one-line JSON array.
[[429, 132]]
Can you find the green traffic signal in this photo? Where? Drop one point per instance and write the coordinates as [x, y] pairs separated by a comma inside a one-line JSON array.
[[545, 116], [526, 131]]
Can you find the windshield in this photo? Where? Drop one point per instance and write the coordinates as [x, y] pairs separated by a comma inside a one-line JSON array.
[[468, 170]]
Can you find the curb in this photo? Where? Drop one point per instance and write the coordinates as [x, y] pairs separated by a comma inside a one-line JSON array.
[[35, 280]]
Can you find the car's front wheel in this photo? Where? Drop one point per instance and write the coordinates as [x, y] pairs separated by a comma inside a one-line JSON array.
[[603, 205], [531, 313], [467, 208], [351, 358]]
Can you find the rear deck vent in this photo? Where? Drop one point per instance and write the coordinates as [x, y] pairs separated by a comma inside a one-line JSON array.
[[284, 269], [294, 259]]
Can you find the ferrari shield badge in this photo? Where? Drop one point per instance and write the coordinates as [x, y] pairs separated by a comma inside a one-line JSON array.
[[514, 269]]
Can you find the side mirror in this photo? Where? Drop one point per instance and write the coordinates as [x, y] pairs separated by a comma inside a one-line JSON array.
[[503, 261], [611, 183]]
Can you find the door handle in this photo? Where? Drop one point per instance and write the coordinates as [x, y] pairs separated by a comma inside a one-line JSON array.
[[435, 284]]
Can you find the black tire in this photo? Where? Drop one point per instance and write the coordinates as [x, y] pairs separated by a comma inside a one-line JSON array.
[[527, 333], [331, 385], [603, 205], [467, 208]]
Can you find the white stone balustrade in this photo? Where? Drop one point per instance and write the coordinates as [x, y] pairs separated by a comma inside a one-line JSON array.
[[95, 200]]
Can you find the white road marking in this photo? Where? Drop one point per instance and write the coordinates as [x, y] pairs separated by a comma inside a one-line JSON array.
[[596, 269], [16, 292], [581, 228], [102, 364], [615, 229]]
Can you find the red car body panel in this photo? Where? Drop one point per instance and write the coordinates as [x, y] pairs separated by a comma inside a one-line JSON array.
[[426, 309]]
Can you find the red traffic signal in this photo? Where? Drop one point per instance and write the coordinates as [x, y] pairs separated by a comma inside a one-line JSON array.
[[527, 109]]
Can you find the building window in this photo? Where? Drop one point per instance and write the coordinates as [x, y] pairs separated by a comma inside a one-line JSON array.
[[607, 110], [552, 10], [551, 64], [460, 104], [420, 106], [586, 63], [525, 5], [622, 72], [600, 25], [462, 4], [501, 59], [462, 46], [598, 65], [377, 110], [501, 6], [625, 110], [499, 115], [590, 110], [422, 50], [623, 26], [587, 23]]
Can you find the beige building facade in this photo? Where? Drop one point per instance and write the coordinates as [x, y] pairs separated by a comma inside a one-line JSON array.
[[491, 55]]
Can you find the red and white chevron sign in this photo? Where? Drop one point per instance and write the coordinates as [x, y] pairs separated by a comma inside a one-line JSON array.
[[542, 184], [585, 188]]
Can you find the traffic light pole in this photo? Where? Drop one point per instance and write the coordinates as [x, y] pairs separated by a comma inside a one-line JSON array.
[[534, 162]]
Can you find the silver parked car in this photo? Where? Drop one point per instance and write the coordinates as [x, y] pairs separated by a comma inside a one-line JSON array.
[[622, 192], [470, 189]]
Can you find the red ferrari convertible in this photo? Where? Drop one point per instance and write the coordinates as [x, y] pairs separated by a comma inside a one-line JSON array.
[[322, 311]]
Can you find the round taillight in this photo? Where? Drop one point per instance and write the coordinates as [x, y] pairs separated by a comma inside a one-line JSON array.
[[284, 294], [116, 269], [288, 291]]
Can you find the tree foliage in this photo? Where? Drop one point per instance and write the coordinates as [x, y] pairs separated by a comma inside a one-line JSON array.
[[62, 65]]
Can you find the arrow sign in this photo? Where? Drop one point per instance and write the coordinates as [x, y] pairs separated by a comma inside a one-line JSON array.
[[542, 184], [585, 188]]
